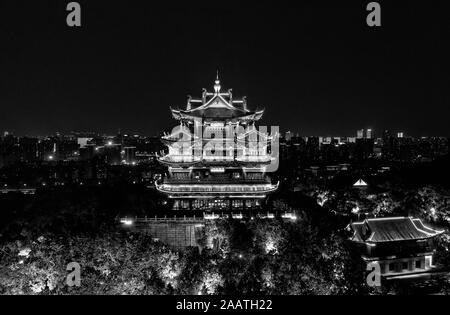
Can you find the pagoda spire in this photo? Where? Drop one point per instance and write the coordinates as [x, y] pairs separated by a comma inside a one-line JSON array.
[[217, 83]]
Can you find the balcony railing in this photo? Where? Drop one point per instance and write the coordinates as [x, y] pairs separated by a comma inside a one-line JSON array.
[[129, 221], [217, 188], [225, 158], [216, 180], [181, 158], [255, 159]]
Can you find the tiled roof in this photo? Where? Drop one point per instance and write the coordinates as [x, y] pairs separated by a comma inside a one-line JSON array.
[[391, 229], [217, 106]]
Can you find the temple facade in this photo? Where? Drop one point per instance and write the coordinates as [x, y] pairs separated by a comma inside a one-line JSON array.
[[217, 158], [400, 245]]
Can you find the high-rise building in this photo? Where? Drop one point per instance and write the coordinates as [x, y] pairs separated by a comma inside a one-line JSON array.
[[210, 165], [130, 155], [112, 153], [28, 148], [288, 136], [87, 152], [369, 133], [360, 134]]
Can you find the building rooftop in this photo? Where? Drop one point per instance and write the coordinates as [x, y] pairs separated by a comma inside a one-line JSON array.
[[360, 183], [217, 106], [381, 230]]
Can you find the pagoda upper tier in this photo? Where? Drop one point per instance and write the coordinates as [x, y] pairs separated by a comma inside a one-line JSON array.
[[217, 106]]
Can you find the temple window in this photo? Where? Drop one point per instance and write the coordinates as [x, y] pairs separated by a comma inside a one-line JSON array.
[[418, 264], [405, 265], [392, 267]]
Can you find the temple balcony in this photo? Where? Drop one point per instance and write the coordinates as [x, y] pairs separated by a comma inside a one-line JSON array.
[[207, 158], [217, 189], [170, 158], [216, 180], [255, 158], [218, 140]]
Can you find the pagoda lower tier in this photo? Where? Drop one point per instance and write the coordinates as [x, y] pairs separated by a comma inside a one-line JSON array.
[[216, 188]]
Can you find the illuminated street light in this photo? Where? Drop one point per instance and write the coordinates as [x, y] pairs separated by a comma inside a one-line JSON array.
[[355, 210], [433, 211]]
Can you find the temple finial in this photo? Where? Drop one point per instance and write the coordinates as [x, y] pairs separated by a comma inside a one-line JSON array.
[[217, 83], [188, 106]]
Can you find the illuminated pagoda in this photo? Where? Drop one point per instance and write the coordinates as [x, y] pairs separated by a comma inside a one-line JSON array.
[[217, 159]]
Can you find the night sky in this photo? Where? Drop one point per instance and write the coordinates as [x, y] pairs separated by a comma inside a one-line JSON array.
[[316, 67]]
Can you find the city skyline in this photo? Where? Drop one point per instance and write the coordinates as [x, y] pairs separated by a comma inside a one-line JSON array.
[[316, 69], [376, 133]]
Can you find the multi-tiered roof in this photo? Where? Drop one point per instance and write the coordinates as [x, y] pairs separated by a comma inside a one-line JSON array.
[[217, 106]]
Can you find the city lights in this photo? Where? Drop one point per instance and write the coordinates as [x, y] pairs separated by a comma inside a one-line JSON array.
[[127, 222]]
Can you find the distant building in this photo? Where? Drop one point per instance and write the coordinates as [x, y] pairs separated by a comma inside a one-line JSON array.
[[288, 136], [112, 153], [87, 152], [360, 184], [360, 134], [28, 149], [130, 155], [82, 142], [25, 191], [400, 245]]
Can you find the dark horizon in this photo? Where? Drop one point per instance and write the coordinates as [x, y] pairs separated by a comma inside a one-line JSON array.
[[317, 68]]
